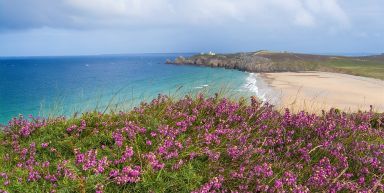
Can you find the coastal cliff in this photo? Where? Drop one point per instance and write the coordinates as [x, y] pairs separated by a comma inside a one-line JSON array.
[[266, 61]]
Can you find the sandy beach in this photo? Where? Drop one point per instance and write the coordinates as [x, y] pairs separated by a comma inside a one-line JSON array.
[[314, 91]]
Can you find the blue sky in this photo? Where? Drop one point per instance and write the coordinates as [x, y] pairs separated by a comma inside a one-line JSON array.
[[78, 27]]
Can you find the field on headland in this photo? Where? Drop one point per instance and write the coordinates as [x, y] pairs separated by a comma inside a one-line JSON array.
[[372, 66], [266, 61], [195, 144]]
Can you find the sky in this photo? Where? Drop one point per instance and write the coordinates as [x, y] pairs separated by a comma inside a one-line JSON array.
[[88, 27]]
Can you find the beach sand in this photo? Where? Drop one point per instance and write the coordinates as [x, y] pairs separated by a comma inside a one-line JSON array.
[[316, 91]]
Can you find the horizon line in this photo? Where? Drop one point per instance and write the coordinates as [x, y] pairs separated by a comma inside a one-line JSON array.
[[195, 52]]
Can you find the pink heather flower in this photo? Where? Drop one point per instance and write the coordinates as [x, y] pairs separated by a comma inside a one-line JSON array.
[[23, 153], [45, 164], [25, 131], [361, 180], [323, 172], [148, 142], [127, 154], [289, 178], [178, 145], [172, 154], [33, 176], [4, 175], [6, 182], [233, 152], [214, 184], [69, 174], [127, 175], [142, 130], [177, 165], [63, 170], [83, 124], [161, 150], [99, 188], [44, 145], [101, 165], [156, 165], [50, 178], [278, 184], [113, 173], [90, 160], [118, 137], [192, 155], [213, 156], [71, 128], [79, 157], [263, 170]]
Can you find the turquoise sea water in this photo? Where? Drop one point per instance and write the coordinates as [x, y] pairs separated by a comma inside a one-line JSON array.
[[49, 86]]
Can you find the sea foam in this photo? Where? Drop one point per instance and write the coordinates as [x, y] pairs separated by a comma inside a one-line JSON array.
[[254, 84]]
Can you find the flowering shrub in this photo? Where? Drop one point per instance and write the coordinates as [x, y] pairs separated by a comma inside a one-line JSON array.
[[195, 145]]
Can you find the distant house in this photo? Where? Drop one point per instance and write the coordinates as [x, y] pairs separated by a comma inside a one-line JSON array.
[[211, 53]]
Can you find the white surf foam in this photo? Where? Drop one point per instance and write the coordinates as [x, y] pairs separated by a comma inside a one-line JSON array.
[[251, 84], [201, 86]]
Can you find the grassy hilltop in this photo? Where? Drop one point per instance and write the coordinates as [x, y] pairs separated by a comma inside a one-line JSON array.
[[195, 145], [266, 61]]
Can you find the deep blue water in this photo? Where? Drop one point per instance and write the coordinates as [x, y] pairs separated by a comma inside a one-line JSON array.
[[48, 86]]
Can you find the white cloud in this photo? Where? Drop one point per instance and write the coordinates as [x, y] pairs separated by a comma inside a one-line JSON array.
[[117, 8], [328, 9], [211, 11], [304, 18], [117, 13]]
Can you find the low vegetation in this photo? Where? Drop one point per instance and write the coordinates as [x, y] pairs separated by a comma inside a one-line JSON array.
[[360, 67], [195, 144]]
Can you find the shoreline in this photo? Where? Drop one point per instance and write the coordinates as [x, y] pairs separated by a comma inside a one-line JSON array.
[[314, 91]]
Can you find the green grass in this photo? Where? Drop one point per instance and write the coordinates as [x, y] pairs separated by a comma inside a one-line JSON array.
[[367, 68]]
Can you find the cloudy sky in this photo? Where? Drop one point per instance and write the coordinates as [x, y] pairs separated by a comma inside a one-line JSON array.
[[77, 27]]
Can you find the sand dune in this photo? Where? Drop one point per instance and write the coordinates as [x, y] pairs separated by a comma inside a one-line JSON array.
[[314, 91]]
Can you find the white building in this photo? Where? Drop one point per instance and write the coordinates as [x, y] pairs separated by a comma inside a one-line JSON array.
[[211, 53]]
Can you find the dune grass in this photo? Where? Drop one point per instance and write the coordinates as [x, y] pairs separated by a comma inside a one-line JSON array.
[[195, 144]]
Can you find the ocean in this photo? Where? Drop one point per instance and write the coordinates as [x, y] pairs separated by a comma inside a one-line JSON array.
[[53, 86]]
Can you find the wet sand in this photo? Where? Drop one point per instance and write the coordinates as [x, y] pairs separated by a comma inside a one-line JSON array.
[[315, 91]]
